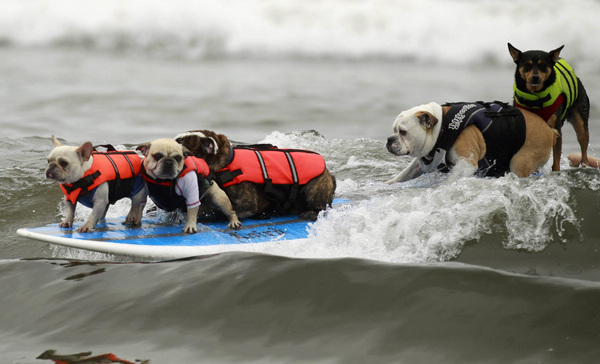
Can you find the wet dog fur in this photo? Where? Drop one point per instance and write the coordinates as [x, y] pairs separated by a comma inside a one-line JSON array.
[[247, 198], [417, 130]]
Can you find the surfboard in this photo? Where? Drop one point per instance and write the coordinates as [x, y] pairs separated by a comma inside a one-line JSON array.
[[157, 238]]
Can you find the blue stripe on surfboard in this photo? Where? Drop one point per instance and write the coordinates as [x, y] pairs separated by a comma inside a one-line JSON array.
[[151, 233], [157, 232]]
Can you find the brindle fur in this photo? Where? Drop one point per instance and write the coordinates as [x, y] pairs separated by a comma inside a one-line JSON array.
[[247, 198], [534, 73]]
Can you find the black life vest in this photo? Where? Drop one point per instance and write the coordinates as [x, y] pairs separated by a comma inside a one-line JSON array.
[[503, 128]]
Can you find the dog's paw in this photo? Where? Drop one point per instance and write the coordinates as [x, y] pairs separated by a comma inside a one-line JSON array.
[[66, 224], [86, 228], [235, 224], [190, 229], [133, 220], [309, 215]]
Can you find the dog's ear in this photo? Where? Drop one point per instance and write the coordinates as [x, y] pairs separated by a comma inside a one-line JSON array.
[[186, 152], [555, 54], [427, 120], [144, 148], [85, 151], [514, 53], [55, 141]]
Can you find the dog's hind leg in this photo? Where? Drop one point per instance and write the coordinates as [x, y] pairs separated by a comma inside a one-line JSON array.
[[535, 152], [583, 135], [318, 195], [556, 153], [219, 198]]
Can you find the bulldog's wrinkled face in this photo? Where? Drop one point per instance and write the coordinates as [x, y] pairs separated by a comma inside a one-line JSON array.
[[164, 158], [67, 164], [199, 142], [414, 133]]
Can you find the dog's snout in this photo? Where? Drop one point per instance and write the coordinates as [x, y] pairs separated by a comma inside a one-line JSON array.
[[390, 143], [535, 78]]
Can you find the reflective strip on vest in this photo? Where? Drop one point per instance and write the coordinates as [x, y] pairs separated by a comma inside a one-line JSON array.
[[280, 166]]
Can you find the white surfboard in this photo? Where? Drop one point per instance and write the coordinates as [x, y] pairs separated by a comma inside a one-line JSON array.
[[160, 239]]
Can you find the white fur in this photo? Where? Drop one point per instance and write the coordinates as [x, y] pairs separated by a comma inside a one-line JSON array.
[[417, 142], [412, 138], [201, 135]]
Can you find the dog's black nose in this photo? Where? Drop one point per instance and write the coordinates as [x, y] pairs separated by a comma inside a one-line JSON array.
[[391, 140], [535, 79]]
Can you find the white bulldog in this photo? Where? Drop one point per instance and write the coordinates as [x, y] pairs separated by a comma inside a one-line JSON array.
[[417, 130]]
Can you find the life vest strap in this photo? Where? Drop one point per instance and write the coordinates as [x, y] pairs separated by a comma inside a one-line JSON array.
[[535, 104], [226, 176], [119, 184], [83, 183]]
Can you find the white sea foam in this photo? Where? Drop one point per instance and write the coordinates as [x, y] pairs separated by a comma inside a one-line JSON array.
[[433, 224], [455, 31]]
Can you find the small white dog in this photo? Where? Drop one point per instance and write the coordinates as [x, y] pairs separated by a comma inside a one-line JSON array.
[[90, 178]]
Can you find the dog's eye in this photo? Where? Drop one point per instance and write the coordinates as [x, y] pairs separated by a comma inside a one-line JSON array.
[[63, 164], [157, 156], [527, 67], [177, 158], [542, 66], [402, 132]]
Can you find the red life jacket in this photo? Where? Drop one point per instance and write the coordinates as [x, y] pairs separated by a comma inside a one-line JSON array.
[[118, 168], [162, 191], [279, 166], [282, 171]]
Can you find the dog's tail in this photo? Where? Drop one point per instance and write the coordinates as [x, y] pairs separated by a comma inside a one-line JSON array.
[[556, 136]]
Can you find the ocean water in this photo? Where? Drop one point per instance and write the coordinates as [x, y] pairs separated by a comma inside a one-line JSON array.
[[442, 269]]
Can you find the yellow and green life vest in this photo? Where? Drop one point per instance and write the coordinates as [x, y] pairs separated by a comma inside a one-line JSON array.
[[565, 83]]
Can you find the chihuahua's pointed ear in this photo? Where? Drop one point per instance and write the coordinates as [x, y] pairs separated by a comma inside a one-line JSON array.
[[55, 141], [555, 54], [514, 53], [85, 150], [144, 148]]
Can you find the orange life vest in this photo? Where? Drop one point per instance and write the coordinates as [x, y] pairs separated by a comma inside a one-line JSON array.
[[282, 172], [121, 169]]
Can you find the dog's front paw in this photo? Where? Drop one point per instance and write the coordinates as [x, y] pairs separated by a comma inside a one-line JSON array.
[[309, 215], [190, 229], [133, 219], [66, 224], [235, 224], [86, 228]]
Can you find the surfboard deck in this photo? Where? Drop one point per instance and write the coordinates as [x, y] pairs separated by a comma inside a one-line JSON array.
[[157, 238]]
